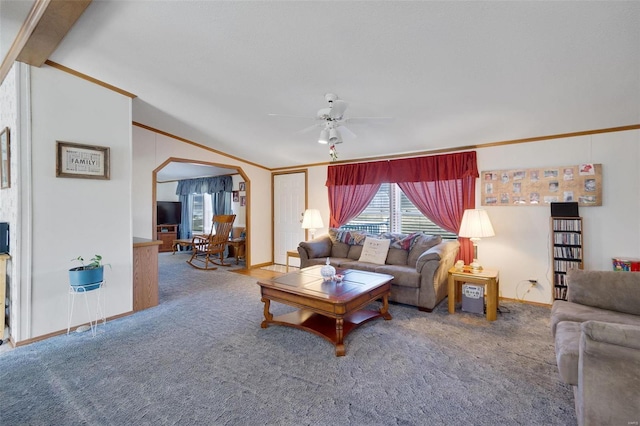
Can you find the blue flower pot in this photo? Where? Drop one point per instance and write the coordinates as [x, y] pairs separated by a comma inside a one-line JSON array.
[[80, 277]]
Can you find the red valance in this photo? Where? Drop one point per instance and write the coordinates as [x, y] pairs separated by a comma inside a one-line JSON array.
[[358, 173], [419, 169]]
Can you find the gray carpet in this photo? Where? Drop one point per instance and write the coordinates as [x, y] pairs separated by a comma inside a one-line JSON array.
[[200, 357]]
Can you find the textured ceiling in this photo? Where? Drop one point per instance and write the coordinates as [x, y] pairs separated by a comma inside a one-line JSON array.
[[449, 73]]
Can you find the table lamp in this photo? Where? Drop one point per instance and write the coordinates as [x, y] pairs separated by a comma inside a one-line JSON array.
[[312, 220], [475, 225]]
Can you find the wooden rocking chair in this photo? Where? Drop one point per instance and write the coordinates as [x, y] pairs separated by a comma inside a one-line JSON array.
[[206, 249]]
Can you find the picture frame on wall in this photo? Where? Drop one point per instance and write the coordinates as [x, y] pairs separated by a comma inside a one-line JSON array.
[[74, 160], [5, 159], [242, 186], [243, 201], [540, 186], [236, 196]]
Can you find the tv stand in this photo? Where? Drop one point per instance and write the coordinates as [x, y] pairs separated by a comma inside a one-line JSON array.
[[166, 233]]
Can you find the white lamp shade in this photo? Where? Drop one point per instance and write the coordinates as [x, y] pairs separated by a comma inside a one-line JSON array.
[[324, 136], [312, 219], [476, 224], [334, 136]]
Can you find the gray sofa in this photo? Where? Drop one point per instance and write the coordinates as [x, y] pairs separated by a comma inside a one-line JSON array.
[[418, 262], [597, 343]]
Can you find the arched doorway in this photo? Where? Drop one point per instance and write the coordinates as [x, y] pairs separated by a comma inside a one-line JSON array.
[[174, 169]]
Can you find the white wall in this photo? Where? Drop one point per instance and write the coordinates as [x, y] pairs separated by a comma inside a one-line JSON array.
[[166, 191], [521, 248], [317, 194], [144, 150], [78, 217], [151, 149]]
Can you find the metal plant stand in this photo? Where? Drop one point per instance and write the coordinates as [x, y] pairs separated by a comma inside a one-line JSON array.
[[84, 290]]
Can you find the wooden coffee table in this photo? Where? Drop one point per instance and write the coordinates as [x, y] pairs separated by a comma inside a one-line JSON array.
[[329, 309]]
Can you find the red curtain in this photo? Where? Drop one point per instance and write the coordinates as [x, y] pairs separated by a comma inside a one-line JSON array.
[[444, 203], [358, 174], [348, 201], [434, 168], [440, 186]]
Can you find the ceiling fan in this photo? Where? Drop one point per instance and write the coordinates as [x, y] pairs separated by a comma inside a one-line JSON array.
[[331, 121]]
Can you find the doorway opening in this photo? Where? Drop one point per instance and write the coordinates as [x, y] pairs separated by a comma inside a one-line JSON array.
[[165, 178]]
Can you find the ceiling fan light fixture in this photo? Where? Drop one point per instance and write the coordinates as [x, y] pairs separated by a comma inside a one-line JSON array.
[[324, 136], [334, 136]]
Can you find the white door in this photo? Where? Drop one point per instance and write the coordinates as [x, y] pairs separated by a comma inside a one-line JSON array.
[[289, 193]]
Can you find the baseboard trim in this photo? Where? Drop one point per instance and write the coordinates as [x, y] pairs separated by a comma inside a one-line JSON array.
[[527, 302], [261, 265], [60, 332]]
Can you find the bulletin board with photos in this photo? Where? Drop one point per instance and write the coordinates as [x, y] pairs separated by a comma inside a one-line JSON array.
[[543, 185]]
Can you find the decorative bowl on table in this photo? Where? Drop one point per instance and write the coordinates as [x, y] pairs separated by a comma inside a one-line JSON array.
[[327, 271]]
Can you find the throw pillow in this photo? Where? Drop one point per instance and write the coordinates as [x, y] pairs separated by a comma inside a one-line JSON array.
[[339, 249], [347, 236], [374, 250]]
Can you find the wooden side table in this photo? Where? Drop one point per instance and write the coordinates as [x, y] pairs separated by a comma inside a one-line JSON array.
[[490, 278], [292, 253]]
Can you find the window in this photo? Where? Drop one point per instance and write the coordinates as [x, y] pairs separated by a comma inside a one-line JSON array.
[[391, 211], [202, 213]]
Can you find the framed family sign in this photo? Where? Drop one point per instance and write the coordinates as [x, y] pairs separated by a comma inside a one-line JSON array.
[[5, 159], [82, 161], [541, 186]]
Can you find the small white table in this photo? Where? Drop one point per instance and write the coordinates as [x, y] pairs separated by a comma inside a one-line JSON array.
[[96, 289]]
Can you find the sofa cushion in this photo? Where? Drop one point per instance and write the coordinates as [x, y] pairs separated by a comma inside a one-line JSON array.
[[568, 311], [603, 289], [421, 244], [404, 276], [397, 256], [338, 262], [339, 249], [354, 252], [361, 266], [317, 248], [375, 250], [567, 344]]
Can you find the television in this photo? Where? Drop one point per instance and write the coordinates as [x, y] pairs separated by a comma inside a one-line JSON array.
[[169, 212], [568, 209]]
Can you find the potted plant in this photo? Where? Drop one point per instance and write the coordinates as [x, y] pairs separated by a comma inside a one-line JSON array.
[[88, 276]]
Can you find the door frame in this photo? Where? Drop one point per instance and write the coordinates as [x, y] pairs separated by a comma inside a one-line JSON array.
[[273, 210]]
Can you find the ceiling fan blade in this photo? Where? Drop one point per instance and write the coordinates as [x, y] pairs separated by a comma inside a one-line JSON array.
[[346, 132], [308, 129], [291, 116], [360, 120], [338, 108]]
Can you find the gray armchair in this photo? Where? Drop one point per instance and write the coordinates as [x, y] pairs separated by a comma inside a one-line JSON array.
[[597, 343], [608, 391]]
